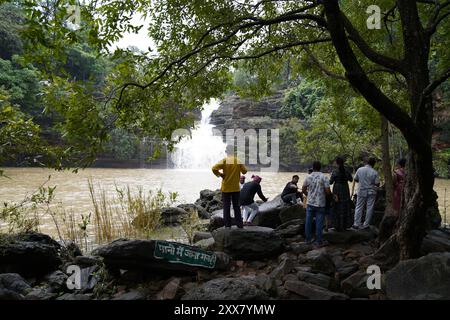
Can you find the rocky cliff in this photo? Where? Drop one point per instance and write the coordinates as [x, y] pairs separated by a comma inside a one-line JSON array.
[[241, 113]]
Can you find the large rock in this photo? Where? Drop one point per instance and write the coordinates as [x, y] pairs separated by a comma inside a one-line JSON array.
[[291, 228], [317, 279], [312, 292], [29, 254], [426, 278], [140, 255], [436, 241], [227, 289], [216, 220], [348, 237], [172, 215], [249, 243], [201, 236], [321, 262], [210, 200], [14, 282], [202, 213], [292, 213], [356, 285], [269, 213]]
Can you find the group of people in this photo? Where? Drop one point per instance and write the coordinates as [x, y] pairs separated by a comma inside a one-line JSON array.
[[321, 202]]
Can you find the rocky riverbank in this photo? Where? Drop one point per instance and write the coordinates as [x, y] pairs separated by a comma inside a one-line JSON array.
[[268, 261]]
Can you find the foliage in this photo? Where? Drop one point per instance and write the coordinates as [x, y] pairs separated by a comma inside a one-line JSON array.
[[441, 163], [301, 100], [190, 224], [334, 130]]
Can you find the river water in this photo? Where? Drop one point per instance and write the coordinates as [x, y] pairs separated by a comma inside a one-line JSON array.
[[72, 189]]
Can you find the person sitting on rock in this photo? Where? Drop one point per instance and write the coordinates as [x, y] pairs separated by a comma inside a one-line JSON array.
[[290, 192], [248, 191], [231, 172]]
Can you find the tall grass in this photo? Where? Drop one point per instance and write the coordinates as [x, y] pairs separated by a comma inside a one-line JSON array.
[[127, 214]]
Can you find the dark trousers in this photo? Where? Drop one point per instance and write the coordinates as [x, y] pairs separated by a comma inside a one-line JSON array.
[[227, 198]]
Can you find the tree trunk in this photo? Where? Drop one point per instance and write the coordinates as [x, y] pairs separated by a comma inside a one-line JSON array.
[[390, 217], [387, 170]]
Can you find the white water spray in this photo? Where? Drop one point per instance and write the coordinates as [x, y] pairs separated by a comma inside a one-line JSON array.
[[202, 150]]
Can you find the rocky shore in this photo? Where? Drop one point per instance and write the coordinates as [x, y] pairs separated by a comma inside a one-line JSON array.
[[266, 261]]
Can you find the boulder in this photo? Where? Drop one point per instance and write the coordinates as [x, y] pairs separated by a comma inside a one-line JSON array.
[[10, 295], [74, 296], [14, 282], [349, 236], [227, 289], [284, 268], [292, 212], [321, 262], [426, 278], [436, 241], [202, 213], [300, 248], [201, 236], [210, 200], [172, 215], [356, 285], [29, 254], [269, 213], [346, 269], [317, 279], [40, 294], [140, 255], [206, 244], [131, 295], [57, 281], [291, 228], [216, 221], [312, 292], [249, 243], [170, 290]]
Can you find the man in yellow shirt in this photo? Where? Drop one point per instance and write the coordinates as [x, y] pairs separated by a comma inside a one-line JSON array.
[[231, 173]]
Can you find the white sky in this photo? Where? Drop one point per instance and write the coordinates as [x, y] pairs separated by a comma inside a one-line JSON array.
[[139, 40]]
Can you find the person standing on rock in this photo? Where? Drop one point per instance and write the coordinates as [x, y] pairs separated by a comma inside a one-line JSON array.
[[340, 178], [290, 192], [248, 191], [368, 183], [316, 186], [231, 171]]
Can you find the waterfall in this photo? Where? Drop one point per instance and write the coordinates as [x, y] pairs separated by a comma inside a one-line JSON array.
[[202, 149]]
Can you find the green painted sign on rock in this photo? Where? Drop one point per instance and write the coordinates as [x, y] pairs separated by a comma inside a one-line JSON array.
[[180, 253]]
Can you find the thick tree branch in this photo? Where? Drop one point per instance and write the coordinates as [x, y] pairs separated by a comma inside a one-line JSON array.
[[359, 80], [436, 83], [372, 55], [322, 67]]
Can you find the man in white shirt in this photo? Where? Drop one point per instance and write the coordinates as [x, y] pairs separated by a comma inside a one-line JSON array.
[[368, 183], [315, 186]]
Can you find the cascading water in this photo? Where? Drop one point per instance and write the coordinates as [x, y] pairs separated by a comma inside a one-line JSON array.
[[202, 149]]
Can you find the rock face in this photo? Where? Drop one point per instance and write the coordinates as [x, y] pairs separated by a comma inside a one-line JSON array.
[[140, 255], [31, 254], [216, 221], [426, 278], [269, 213], [210, 200], [249, 243], [227, 289]]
